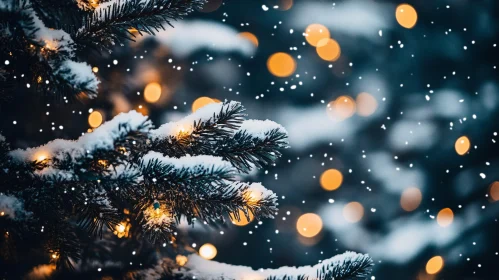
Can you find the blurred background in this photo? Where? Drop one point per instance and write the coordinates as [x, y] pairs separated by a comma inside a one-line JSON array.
[[391, 109]]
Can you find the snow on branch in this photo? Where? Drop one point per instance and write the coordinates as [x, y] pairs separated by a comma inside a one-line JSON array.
[[12, 207], [346, 266], [79, 75], [190, 36], [103, 137], [192, 163], [261, 129], [223, 115]]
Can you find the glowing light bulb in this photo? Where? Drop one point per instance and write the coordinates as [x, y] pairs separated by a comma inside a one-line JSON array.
[[309, 225], [208, 251], [121, 228], [181, 260]]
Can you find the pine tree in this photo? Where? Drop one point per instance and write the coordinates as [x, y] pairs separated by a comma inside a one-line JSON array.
[[44, 42], [62, 200]]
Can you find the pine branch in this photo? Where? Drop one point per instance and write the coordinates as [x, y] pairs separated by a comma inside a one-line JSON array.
[[346, 266], [88, 183], [110, 25]]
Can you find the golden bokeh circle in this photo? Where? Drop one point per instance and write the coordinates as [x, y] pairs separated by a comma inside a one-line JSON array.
[[328, 49], [152, 92], [281, 64], [95, 119], [462, 145], [316, 32], [201, 102], [208, 251], [406, 15], [309, 225], [331, 179], [434, 265]]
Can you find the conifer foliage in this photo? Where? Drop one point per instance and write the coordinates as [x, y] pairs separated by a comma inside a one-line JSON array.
[[45, 42]]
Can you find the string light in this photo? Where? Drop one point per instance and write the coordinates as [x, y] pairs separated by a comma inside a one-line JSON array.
[[208, 251], [95, 119], [181, 260]]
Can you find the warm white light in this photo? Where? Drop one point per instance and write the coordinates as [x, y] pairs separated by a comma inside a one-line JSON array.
[[208, 251]]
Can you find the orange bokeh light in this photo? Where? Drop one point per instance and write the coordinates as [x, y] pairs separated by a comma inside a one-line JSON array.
[[242, 218], [328, 49], [411, 199], [462, 145], [201, 102], [342, 108], [316, 32], [250, 36], [406, 15], [445, 217], [152, 92], [95, 119], [434, 265], [281, 64], [309, 225], [331, 179]]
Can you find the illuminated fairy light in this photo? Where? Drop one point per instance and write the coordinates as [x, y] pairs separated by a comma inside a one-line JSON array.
[[445, 217], [181, 260], [152, 92], [242, 218], [353, 212], [41, 156], [201, 102], [95, 119], [208, 251], [462, 145], [95, 69], [315, 33], [434, 265], [309, 225], [331, 179], [250, 37], [281, 65], [120, 228], [411, 199], [328, 49], [406, 16]]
